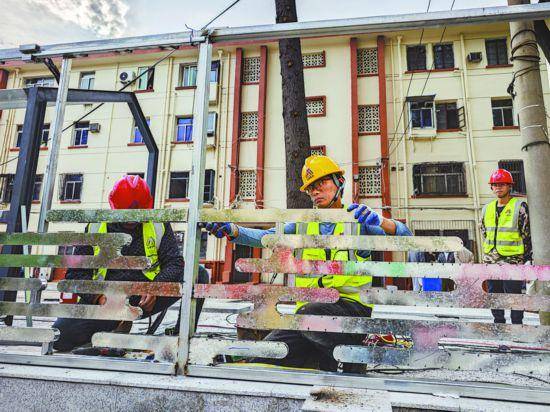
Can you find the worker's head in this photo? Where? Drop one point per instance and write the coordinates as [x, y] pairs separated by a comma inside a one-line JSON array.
[[501, 182], [130, 192], [323, 180]]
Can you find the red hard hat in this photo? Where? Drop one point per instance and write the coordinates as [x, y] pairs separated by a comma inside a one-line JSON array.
[[131, 192], [501, 176]]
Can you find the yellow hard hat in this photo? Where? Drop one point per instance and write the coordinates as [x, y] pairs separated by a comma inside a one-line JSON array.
[[317, 167]]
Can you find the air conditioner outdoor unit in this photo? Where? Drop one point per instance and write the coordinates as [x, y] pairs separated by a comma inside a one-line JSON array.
[[474, 57], [95, 127], [126, 76]]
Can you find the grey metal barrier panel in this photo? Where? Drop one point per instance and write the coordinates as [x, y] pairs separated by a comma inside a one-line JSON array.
[[120, 215]]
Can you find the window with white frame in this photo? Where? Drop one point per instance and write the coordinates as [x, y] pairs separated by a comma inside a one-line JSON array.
[[439, 179], [421, 112], [311, 60], [209, 180], [45, 135], [212, 122], [71, 187], [188, 75], [315, 106], [40, 81], [503, 112], [137, 137], [251, 70], [179, 185], [37, 187], [18, 135], [87, 80], [247, 184], [146, 78], [370, 183], [6, 181], [369, 119], [184, 129], [81, 131], [249, 125], [367, 62]]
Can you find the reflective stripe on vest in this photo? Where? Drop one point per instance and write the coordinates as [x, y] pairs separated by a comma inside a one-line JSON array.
[[152, 236], [348, 286], [506, 238]]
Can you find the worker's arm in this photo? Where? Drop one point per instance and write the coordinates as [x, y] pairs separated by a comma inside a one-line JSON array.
[[525, 231], [399, 229], [170, 259], [368, 217], [244, 235]]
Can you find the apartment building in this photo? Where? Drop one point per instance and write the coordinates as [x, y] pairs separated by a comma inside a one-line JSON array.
[[418, 120]]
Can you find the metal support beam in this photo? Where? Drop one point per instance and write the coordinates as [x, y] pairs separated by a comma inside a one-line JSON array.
[[196, 194]]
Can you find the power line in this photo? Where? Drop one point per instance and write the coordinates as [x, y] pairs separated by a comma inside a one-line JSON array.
[[220, 14]]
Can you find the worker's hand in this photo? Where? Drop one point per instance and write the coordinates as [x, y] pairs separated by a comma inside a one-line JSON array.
[[221, 229], [147, 302], [365, 215], [100, 300]]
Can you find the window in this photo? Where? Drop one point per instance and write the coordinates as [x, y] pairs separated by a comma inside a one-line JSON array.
[[7, 187], [138, 138], [249, 125], [416, 58], [37, 187], [311, 60], [369, 120], [209, 178], [503, 112], [247, 184], [516, 168], [87, 80], [81, 131], [188, 75], [447, 116], [370, 183], [179, 185], [439, 179], [71, 187], [184, 129], [180, 240], [316, 106], [421, 112], [212, 121], [318, 150], [497, 52], [145, 82], [251, 70], [444, 56], [40, 81], [367, 62], [66, 250], [45, 135], [215, 72], [140, 174]]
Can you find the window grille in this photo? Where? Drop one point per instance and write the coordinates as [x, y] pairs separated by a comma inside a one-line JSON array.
[[71, 187], [314, 59], [503, 112], [369, 120], [179, 185], [315, 106], [318, 151], [367, 61], [416, 58], [370, 183], [497, 52], [249, 125], [439, 179], [251, 70], [444, 56], [516, 168], [247, 184]]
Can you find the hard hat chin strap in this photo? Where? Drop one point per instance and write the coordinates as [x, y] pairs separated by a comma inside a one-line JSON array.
[[339, 181]]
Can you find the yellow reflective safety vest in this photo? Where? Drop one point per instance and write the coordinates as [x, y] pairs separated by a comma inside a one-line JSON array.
[[505, 236], [349, 287], [152, 236]]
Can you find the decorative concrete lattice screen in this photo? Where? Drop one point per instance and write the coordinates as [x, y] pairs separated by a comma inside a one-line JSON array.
[[367, 61], [314, 59], [249, 125], [251, 70], [369, 181], [315, 107], [247, 184], [317, 151], [369, 120]]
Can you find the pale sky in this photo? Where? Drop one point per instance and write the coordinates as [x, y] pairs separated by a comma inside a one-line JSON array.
[[65, 21]]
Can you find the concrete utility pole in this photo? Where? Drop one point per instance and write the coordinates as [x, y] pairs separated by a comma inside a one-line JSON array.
[[534, 135]]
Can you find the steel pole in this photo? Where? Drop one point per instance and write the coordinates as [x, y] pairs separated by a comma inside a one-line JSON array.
[[196, 193], [55, 136], [534, 134]]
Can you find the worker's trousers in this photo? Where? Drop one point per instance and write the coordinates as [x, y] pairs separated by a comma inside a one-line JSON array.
[[314, 349], [78, 332], [506, 286]]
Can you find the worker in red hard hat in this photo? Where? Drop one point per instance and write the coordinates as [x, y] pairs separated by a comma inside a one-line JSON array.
[[507, 237], [156, 241]]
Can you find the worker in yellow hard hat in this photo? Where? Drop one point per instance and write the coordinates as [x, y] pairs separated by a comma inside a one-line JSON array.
[[323, 180]]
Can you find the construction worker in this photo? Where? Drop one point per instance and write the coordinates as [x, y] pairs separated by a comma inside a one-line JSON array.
[[507, 237], [323, 180], [156, 241]]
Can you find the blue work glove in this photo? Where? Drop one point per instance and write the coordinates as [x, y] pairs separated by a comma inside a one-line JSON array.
[[365, 215], [221, 229]]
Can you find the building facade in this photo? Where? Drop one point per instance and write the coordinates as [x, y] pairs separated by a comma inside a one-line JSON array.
[[417, 119]]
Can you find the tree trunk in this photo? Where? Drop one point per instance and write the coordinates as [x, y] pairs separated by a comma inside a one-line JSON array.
[[297, 145]]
